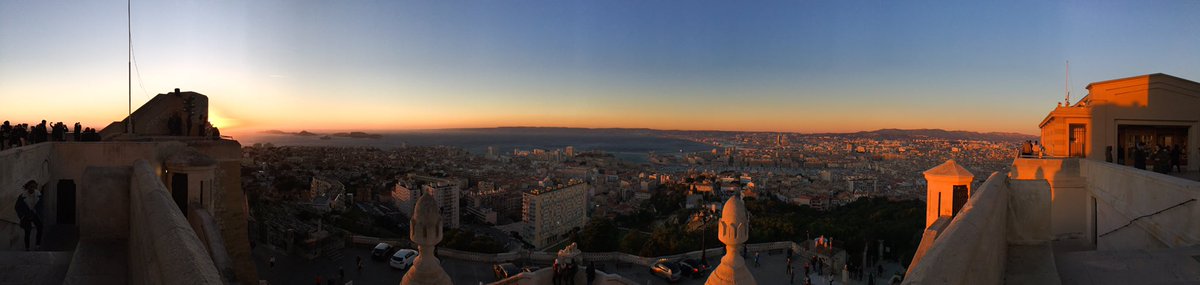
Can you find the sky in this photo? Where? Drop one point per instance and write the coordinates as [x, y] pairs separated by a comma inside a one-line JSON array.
[[794, 66]]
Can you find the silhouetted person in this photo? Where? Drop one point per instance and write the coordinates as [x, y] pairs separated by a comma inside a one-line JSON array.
[[20, 135], [1121, 155], [56, 132], [1176, 157], [29, 212], [1162, 160], [39, 133], [62, 133], [90, 135], [1108, 154], [591, 273], [78, 129], [1139, 157], [5, 133], [216, 133]]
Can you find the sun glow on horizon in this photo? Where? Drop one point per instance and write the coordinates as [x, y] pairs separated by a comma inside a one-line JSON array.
[[220, 121]]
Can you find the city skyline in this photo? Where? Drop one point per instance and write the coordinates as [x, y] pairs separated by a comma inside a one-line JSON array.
[[791, 67]]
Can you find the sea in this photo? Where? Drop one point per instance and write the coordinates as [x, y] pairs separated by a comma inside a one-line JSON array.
[[632, 147]]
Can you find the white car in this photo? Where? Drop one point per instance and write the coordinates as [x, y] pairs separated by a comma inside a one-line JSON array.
[[403, 258]]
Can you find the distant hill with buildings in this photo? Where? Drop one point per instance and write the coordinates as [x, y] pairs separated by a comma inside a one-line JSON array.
[[942, 134]]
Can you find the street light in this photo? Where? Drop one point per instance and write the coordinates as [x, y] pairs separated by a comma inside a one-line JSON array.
[[706, 216]]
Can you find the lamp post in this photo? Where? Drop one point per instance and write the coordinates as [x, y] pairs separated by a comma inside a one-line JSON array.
[[706, 216]]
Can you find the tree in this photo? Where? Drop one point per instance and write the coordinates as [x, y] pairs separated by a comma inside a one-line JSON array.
[[599, 235], [633, 242]]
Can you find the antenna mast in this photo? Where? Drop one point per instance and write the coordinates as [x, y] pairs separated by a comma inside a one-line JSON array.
[[129, 55], [1067, 85]]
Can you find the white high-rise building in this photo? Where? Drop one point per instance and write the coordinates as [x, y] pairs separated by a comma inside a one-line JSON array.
[[553, 212]]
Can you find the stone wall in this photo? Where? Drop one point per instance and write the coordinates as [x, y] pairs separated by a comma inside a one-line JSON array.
[[973, 249], [104, 203], [1068, 196], [163, 248], [1138, 209]]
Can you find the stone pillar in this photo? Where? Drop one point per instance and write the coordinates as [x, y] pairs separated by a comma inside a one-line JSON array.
[[733, 230], [425, 230], [943, 182]]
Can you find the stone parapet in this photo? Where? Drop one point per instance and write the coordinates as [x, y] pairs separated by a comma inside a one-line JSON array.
[[166, 249], [973, 248]]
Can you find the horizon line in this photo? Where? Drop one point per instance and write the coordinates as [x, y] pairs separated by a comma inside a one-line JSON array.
[[331, 131]]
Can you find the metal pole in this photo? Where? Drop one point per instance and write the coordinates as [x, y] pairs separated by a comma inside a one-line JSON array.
[[129, 56]]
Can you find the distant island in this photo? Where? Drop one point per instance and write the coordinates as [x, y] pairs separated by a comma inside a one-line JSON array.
[[356, 135]]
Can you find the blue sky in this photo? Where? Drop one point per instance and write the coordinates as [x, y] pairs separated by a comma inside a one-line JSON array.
[[808, 66]]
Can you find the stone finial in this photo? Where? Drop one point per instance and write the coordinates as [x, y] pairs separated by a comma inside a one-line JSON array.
[[425, 230], [733, 231]]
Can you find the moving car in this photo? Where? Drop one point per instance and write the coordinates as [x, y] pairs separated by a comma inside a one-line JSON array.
[[666, 269], [381, 251], [693, 268], [505, 270], [403, 258]]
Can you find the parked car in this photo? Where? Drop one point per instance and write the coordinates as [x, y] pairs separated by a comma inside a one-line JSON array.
[[530, 269], [381, 251], [505, 270], [666, 269], [403, 258], [693, 268]]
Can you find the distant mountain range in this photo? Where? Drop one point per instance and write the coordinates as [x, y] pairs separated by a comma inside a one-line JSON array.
[[876, 134]]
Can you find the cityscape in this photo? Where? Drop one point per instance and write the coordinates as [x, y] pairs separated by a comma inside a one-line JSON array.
[[620, 142]]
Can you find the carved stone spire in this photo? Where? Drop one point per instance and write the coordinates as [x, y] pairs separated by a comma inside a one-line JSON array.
[[733, 231], [426, 231]]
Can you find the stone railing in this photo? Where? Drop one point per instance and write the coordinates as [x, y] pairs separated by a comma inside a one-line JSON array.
[[548, 257], [163, 248], [546, 276], [1138, 209], [973, 248]]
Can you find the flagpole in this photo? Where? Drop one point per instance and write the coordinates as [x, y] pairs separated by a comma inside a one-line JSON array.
[[1067, 85], [129, 56]]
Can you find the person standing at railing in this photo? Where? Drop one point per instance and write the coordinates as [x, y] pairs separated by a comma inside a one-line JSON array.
[[78, 131], [29, 211], [5, 132]]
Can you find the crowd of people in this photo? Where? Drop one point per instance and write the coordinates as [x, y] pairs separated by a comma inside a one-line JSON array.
[[12, 136], [1164, 158]]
